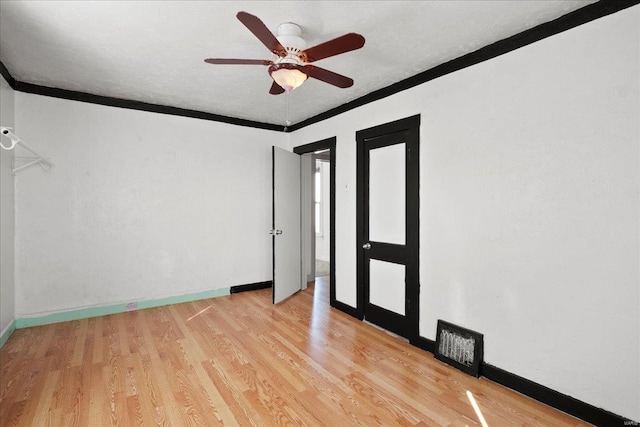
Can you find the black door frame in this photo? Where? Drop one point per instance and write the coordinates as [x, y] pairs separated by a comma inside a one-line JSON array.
[[328, 144], [410, 128]]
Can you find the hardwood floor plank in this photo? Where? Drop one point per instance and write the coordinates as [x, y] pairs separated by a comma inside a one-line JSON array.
[[98, 340], [12, 369], [170, 406], [80, 342], [42, 415], [69, 392], [32, 385], [234, 398], [98, 403], [240, 361], [14, 414], [146, 391], [123, 333], [44, 341]]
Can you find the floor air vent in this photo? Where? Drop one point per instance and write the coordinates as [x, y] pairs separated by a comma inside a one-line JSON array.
[[459, 347]]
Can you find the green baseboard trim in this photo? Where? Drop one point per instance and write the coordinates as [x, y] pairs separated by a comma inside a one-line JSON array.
[[7, 333], [88, 312]]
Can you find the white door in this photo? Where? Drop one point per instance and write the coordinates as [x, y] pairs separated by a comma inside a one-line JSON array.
[[287, 276]]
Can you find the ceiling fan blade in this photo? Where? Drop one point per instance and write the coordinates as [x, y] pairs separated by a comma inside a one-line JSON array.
[[328, 76], [238, 61], [257, 27], [276, 89], [342, 44]]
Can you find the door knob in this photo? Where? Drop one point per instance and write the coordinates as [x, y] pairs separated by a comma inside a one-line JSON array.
[[366, 246], [275, 232]]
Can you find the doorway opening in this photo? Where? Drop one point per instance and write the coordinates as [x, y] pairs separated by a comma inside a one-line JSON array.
[[321, 168], [317, 198]]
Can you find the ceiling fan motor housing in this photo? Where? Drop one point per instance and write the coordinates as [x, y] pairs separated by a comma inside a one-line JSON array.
[[289, 37]]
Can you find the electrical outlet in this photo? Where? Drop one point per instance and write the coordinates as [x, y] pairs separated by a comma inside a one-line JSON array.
[[132, 306]]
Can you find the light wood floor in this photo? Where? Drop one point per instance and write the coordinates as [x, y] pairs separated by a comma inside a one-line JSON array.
[[238, 360]]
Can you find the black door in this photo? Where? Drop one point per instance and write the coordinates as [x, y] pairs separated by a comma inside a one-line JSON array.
[[388, 225]]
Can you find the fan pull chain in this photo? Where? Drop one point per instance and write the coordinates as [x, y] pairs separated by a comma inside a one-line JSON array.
[[287, 122]]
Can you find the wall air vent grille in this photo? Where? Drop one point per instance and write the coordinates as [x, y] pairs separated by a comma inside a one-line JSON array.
[[459, 347]]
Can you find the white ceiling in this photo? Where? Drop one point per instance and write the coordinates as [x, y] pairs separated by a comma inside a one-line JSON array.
[[153, 51]]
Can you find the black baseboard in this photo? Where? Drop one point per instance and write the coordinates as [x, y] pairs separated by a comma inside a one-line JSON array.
[[424, 343], [251, 287], [562, 402], [351, 311]]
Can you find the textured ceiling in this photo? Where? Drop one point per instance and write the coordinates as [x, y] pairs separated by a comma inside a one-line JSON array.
[[153, 51]]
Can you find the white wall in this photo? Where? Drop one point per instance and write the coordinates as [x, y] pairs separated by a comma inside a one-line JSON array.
[[138, 206], [7, 284], [529, 211]]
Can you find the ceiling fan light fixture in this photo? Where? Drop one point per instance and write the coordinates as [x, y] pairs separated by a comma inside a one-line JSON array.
[[288, 76]]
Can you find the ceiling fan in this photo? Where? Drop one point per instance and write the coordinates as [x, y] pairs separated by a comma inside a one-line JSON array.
[[293, 65]]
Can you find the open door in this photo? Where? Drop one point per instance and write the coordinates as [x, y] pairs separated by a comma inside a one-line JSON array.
[[287, 276]]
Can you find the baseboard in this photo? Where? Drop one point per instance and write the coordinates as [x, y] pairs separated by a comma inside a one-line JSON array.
[[562, 402], [7, 333], [351, 311], [88, 312], [424, 343], [251, 287]]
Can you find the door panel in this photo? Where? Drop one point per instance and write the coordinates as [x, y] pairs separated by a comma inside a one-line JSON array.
[[387, 285], [388, 225], [387, 173], [287, 276]]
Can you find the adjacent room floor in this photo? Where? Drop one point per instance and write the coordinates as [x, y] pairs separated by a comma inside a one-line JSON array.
[[238, 360]]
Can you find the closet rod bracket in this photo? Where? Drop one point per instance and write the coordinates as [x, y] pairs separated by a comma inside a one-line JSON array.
[[30, 161]]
